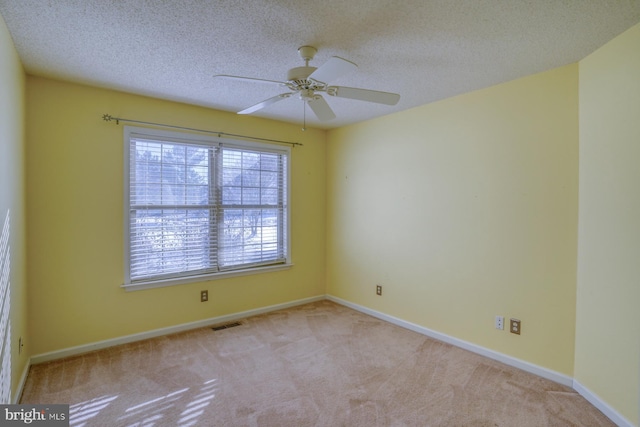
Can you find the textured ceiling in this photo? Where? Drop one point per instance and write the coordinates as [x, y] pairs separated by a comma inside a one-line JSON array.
[[422, 49]]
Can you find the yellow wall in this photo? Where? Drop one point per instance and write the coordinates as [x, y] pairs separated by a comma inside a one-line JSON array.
[[465, 209], [75, 219], [608, 304], [12, 195]]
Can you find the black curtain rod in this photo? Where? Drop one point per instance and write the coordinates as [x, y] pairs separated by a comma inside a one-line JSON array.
[[108, 118]]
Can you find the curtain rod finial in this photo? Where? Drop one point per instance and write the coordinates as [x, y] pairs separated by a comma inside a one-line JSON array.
[[106, 117]]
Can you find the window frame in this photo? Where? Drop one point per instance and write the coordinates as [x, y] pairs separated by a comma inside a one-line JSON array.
[[212, 142]]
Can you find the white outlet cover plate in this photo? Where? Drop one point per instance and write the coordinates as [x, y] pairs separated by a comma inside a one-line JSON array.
[[500, 322]]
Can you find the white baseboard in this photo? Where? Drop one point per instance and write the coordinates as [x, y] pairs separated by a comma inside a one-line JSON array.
[[591, 397], [507, 360], [595, 400], [23, 380], [85, 348]]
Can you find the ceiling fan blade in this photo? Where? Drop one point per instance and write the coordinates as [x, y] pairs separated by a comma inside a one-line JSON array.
[[332, 69], [251, 79], [321, 108], [265, 103], [364, 95]]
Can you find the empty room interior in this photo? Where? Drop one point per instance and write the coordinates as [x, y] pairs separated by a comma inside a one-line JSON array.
[[492, 177]]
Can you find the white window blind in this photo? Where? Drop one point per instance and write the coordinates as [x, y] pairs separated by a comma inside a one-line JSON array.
[[200, 207], [252, 207]]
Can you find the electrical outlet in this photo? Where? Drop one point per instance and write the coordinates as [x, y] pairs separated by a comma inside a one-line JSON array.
[[378, 289], [499, 322], [515, 326], [204, 296]]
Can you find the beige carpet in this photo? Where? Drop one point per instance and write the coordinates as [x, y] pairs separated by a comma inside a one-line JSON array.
[[320, 364]]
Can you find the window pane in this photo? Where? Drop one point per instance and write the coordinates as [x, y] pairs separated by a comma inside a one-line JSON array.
[[197, 208], [231, 176], [269, 162], [232, 195], [250, 160], [269, 179], [269, 196], [250, 196], [170, 174], [169, 240], [253, 234], [197, 195], [251, 178]]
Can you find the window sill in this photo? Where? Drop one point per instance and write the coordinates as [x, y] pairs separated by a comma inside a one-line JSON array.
[[139, 286]]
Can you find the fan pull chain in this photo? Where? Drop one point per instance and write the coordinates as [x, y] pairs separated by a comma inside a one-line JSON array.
[[304, 116]]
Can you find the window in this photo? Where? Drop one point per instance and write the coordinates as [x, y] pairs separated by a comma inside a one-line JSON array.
[[199, 206]]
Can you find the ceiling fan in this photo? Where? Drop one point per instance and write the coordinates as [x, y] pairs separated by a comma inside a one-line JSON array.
[[308, 82]]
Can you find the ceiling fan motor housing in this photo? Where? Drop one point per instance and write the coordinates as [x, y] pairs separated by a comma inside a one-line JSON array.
[[299, 75]]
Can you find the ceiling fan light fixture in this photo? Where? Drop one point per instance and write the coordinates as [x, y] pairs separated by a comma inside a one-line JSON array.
[[307, 95]]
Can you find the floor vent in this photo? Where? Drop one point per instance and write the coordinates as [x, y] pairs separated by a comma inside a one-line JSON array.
[[226, 326]]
